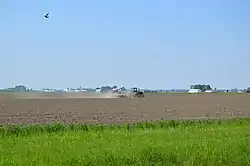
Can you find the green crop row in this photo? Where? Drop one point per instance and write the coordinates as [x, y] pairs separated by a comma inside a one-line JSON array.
[[58, 127]]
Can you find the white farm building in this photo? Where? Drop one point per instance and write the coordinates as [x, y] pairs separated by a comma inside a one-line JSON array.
[[194, 91]]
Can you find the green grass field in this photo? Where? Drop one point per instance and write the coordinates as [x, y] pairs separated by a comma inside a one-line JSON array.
[[169, 143]]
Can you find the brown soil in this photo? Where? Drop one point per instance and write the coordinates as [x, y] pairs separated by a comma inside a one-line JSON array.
[[97, 108]]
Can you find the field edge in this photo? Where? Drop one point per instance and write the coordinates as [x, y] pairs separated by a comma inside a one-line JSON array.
[[59, 127]]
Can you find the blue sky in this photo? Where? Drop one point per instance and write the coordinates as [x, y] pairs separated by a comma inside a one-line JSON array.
[[151, 44]]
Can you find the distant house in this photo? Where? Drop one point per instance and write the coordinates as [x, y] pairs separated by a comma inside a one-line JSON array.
[[98, 90], [210, 91], [194, 91], [48, 90], [103, 89], [66, 90]]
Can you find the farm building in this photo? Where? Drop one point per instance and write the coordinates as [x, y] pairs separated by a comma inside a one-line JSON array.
[[103, 89], [194, 91], [210, 91], [98, 90]]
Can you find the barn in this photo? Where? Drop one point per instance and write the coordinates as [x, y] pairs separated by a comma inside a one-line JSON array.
[[194, 91]]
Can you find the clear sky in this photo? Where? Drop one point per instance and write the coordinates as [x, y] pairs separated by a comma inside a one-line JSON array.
[[146, 43]]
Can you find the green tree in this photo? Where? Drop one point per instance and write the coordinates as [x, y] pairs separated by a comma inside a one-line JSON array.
[[20, 88], [248, 90], [203, 87]]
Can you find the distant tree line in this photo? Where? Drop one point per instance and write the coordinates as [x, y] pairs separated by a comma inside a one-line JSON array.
[[17, 88], [201, 87], [248, 90]]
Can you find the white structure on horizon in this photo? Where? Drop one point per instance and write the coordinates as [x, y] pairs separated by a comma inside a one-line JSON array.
[[194, 91], [210, 91], [98, 90]]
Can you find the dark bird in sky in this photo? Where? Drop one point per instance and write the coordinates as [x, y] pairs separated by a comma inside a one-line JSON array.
[[46, 15]]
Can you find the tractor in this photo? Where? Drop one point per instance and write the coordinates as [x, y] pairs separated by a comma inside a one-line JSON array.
[[135, 92]]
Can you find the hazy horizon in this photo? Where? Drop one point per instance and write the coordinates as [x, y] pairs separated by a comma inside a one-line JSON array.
[[155, 45], [119, 86]]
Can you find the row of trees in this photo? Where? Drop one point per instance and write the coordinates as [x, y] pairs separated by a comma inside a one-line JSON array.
[[201, 87], [204, 87], [22, 88], [17, 88], [248, 90]]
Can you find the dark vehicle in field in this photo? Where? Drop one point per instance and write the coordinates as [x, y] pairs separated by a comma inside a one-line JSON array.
[[137, 93], [133, 93]]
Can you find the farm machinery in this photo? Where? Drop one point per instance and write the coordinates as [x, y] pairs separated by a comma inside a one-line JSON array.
[[133, 93]]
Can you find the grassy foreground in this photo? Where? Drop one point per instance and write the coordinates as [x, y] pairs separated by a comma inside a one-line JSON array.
[[160, 143]]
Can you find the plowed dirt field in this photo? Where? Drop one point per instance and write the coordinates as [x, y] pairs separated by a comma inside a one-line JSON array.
[[101, 108]]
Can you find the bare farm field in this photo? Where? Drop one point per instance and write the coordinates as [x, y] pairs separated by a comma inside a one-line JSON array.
[[46, 108], [203, 142]]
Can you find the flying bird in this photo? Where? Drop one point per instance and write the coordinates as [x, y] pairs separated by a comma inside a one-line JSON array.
[[46, 15]]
